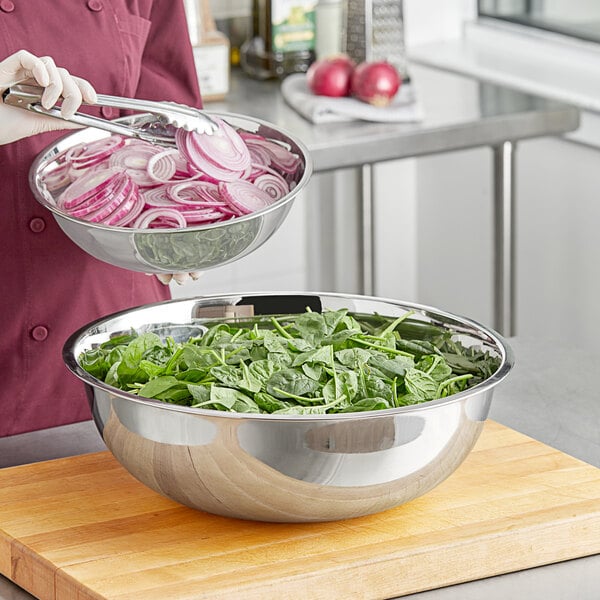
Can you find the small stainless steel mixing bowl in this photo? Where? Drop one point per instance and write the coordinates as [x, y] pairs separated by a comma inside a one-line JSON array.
[[283, 467], [172, 250]]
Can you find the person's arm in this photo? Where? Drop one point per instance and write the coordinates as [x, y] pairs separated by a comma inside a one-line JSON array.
[[24, 67], [168, 71]]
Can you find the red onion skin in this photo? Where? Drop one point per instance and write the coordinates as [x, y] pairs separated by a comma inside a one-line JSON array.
[[375, 82], [330, 76]]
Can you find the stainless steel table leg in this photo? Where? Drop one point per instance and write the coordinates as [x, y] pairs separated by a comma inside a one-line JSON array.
[[504, 238], [367, 241]]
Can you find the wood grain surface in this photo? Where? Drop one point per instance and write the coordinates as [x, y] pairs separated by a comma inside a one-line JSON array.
[[83, 528]]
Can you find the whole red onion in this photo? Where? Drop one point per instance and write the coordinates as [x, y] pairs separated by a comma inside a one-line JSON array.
[[330, 76], [375, 82]]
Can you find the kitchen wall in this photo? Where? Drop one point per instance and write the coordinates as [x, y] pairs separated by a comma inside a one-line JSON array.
[[444, 206], [557, 187]]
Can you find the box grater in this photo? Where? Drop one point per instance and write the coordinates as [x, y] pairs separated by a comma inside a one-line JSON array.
[[374, 30]]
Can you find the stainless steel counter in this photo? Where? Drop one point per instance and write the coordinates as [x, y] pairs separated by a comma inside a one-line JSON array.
[[460, 113], [487, 115], [551, 395]]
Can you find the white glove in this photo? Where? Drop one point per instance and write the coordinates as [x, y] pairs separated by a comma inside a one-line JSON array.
[[24, 67], [179, 278]]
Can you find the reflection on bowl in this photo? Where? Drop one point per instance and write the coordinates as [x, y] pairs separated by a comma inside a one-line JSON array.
[[194, 248], [284, 467], [198, 250]]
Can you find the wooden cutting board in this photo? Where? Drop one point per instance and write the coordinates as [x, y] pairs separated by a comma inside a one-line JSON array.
[[83, 528]]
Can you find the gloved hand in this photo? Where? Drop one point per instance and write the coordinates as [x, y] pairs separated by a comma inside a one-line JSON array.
[[24, 67], [179, 278]]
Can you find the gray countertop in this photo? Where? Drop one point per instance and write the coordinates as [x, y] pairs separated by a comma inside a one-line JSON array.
[[459, 113]]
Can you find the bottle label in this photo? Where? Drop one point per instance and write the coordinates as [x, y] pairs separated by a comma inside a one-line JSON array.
[[293, 25]]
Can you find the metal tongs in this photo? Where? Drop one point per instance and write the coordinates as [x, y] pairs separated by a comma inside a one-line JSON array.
[[161, 131]]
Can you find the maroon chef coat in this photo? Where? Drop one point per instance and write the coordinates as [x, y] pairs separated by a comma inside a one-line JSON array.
[[50, 287]]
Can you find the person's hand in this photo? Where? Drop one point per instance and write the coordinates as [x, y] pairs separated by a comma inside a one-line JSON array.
[[179, 278], [24, 67]]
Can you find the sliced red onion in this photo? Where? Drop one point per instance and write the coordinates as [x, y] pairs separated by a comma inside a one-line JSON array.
[[222, 156], [123, 211], [196, 193], [123, 182], [280, 156], [134, 158], [91, 153], [259, 154], [58, 177], [134, 212], [162, 166], [114, 190], [201, 216], [87, 185], [158, 197], [272, 183], [113, 203], [244, 196], [254, 171], [184, 171], [167, 216]]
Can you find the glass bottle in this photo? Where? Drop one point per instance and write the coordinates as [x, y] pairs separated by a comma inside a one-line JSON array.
[[211, 50], [329, 28], [282, 39]]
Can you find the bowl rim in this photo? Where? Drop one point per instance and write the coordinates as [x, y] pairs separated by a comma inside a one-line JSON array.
[[42, 159], [501, 345]]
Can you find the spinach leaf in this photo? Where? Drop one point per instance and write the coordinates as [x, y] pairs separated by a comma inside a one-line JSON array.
[[420, 384], [322, 355], [435, 366], [289, 383], [129, 371], [312, 327], [200, 394], [262, 370], [391, 367], [269, 404], [376, 387], [353, 358], [312, 363], [274, 343], [314, 371], [367, 404], [347, 384], [96, 362], [165, 388], [232, 400]]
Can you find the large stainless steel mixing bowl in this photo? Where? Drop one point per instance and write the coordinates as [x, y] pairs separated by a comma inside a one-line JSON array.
[[172, 250], [282, 467]]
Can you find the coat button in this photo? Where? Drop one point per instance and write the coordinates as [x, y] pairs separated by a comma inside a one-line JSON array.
[[7, 6], [39, 333], [37, 224], [107, 112], [95, 5]]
